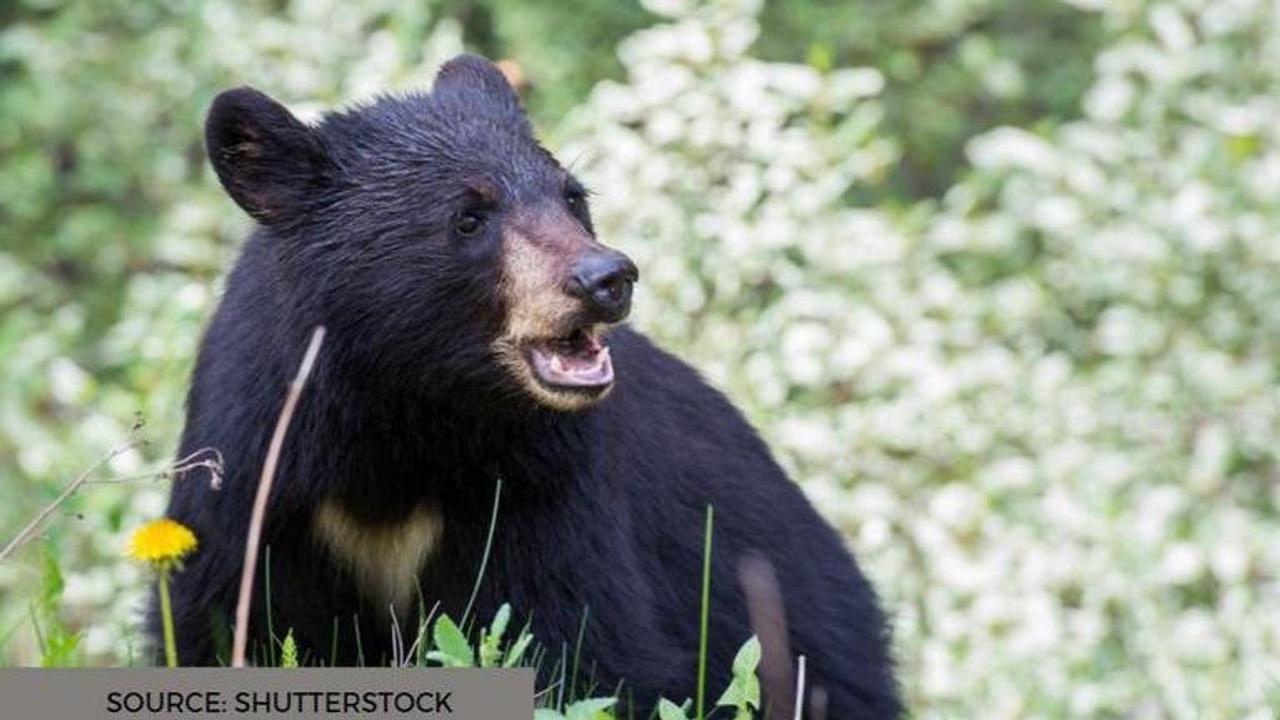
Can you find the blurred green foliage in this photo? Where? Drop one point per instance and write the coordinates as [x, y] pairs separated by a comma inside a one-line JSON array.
[[952, 69], [998, 280]]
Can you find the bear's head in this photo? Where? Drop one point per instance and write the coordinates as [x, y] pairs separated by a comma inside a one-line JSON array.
[[441, 244]]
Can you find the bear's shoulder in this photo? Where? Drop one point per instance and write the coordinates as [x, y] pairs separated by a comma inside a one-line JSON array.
[[664, 413]]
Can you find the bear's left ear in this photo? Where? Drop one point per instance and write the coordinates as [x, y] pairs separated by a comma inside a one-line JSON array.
[[270, 163], [471, 78]]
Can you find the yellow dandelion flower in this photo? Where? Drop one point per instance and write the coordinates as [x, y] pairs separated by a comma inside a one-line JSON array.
[[162, 542]]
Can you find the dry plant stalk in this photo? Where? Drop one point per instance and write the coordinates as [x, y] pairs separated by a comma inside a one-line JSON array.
[[264, 492], [24, 536], [799, 686], [209, 458]]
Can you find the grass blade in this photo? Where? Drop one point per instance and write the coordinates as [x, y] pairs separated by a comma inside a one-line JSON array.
[[706, 613]]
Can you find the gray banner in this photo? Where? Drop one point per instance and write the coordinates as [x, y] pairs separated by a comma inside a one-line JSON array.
[[233, 694]]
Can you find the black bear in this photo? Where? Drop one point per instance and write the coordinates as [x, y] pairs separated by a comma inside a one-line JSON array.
[[474, 336]]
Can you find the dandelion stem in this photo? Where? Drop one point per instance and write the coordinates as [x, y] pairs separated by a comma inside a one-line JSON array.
[[166, 617]]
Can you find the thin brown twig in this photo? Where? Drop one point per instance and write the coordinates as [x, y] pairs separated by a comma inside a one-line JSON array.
[[24, 536], [264, 492]]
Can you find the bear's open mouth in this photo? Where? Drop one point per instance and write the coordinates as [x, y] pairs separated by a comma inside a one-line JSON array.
[[577, 361]]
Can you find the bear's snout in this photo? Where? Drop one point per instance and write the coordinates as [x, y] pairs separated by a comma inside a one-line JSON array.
[[562, 292], [602, 280]]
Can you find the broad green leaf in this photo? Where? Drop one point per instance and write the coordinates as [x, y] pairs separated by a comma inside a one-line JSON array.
[[743, 692], [668, 710], [452, 648], [747, 659], [589, 709]]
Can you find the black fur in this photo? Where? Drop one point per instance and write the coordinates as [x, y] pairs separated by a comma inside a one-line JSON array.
[[601, 510]]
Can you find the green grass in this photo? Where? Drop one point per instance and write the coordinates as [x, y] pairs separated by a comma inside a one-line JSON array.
[[706, 613]]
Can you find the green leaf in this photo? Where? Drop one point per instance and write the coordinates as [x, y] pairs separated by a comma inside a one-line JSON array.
[[499, 625], [289, 651], [58, 643], [743, 692], [491, 640], [747, 659], [668, 710], [547, 714], [51, 582], [732, 696], [452, 648], [517, 649], [589, 709]]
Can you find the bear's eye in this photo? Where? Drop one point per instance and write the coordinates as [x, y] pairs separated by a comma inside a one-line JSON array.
[[468, 224], [576, 202]]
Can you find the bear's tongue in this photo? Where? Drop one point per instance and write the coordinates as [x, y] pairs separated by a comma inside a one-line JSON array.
[[582, 361]]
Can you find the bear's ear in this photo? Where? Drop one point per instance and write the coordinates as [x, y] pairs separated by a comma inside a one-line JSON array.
[[471, 78], [269, 161]]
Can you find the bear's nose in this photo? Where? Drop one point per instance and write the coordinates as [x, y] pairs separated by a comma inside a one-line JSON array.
[[602, 279]]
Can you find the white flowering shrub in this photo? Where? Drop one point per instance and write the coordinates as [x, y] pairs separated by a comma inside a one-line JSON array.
[[1046, 411]]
